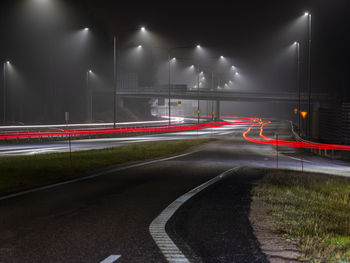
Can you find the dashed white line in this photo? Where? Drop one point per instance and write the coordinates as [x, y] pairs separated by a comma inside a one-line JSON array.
[[157, 228], [111, 259]]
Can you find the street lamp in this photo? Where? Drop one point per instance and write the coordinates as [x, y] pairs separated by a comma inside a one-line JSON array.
[[309, 70], [90, 99], [297, 44], [5, 64], [169, 50], [115, 74]]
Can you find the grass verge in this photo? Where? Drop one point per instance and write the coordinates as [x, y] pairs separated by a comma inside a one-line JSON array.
[[18, 173], [313, 209]]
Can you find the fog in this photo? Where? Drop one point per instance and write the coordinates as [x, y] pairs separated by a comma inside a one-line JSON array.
[[53, 44]]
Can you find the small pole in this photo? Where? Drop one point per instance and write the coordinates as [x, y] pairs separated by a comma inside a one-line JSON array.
[[302, 160], [277, 151], [69, 140]]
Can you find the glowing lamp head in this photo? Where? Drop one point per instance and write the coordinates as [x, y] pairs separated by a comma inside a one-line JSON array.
[[221, 57], [306, 14], [8, 62], [173, 59], [236, 73], [198, 46], [90, 71], [143, 29], [139, 46], [86, 29]]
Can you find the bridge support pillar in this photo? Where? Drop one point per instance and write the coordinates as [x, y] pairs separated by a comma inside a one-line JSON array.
[[217, 110], [120, 103]]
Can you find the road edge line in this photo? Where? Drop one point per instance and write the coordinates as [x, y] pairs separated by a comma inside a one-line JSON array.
[[157, 227], [91, 176]]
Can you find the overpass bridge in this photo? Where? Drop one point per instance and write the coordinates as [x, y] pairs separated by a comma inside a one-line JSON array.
[[218, 95]]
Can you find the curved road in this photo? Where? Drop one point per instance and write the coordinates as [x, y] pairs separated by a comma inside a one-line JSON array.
[[88, 221]]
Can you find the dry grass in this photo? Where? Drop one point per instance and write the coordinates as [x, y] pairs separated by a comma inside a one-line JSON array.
[[313, 209]]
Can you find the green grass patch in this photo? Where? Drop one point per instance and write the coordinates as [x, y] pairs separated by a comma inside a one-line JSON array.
[[18, 173], [313, 209]]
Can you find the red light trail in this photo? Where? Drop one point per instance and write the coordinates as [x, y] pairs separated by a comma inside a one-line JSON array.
[[255, 122]]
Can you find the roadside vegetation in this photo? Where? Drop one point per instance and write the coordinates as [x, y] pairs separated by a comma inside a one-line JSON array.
[[312, 209], [19, 173]]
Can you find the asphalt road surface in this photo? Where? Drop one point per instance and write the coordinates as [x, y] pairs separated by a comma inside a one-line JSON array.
[[89, 144], [91, 220]]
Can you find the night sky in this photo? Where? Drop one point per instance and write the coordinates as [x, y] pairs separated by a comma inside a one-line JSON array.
[[254, 33]]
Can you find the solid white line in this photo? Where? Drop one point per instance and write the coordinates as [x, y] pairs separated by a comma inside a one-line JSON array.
[[157, 228], [112, 170], [111, 259], [297, 159]]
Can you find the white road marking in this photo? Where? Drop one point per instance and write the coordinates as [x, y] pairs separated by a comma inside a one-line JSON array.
[[157, 228], [112, 170], [297, 159], [111, 259]]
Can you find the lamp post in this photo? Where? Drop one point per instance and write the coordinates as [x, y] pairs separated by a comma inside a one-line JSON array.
[[169, 83], [115, 74], [115, 78], [169, 52], [198, 76], [89, 92], [309, 71], [297, 44], [5, 91]]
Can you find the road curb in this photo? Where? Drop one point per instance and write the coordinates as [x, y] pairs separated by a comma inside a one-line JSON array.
[[157, 228]]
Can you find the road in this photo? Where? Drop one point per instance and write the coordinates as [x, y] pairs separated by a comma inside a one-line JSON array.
[[88, 221], [89, 144]]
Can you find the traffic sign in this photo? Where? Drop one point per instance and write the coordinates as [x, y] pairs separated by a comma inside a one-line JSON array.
[[295, 111], [304, 113]]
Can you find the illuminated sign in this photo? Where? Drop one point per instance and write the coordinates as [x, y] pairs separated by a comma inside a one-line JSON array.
[[304, 113]]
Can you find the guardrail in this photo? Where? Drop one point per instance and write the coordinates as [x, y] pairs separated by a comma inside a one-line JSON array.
[[314, 151]]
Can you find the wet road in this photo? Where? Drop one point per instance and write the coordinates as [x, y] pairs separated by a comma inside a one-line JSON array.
[[91, 220]]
